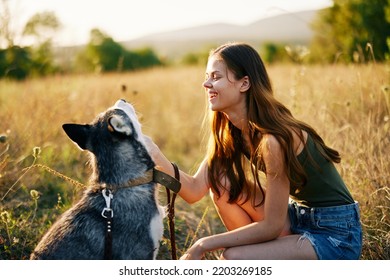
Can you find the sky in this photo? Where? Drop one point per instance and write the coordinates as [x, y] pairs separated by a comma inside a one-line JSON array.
[[124, 20]]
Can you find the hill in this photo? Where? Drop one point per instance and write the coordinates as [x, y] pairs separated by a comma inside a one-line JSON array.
[[289, 27], [293, 28]]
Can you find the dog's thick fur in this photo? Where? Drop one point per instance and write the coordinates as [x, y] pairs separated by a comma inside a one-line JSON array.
[[118, 155]]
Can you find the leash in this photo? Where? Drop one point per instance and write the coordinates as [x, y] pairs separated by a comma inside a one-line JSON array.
[[171, 213], [108, 214], [152, 175]]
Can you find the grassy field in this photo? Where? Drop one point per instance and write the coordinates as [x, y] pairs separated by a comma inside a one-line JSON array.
[[41, 170]]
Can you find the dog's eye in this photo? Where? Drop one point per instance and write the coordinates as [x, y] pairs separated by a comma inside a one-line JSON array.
[[124, 100]]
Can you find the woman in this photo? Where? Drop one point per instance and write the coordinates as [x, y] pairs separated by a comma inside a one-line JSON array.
[[303, 210]]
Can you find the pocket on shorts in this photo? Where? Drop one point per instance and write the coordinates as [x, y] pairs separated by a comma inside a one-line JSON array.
[[338, 227]]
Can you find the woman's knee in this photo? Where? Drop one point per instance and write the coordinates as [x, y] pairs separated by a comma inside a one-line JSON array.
[[231, 254]]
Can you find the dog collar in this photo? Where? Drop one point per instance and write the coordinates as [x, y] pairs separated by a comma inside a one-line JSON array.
[[166, 180]]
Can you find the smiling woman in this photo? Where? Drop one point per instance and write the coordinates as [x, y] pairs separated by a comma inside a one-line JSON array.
[[221, 86], [303, 199]]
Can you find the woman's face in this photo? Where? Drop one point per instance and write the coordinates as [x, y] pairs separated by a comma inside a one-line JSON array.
[[225, 93]]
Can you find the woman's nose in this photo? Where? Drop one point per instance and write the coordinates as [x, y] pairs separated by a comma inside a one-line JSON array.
[[207, 84]]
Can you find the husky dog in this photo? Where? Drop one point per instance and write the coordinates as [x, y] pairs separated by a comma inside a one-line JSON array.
[[119, 207]]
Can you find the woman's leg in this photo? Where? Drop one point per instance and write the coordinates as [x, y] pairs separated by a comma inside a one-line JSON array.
[[235, 215], [291, 247]]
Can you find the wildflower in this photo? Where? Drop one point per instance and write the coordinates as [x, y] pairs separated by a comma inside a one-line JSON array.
[[34, 194], [36, 152], [59, 201], [5, 217]]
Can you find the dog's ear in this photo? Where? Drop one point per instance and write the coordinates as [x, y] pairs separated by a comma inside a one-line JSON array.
[[116, 123], [78, 133]]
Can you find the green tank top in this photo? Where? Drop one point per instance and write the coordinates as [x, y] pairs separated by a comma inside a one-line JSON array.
[[324, 186]]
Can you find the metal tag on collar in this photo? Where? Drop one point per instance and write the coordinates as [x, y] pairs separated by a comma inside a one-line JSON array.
[[107, 195]]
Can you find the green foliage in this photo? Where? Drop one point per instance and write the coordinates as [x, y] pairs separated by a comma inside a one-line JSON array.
[[103, 54], [387, 55], [273, 52], [42, 60], [352, 30], [15, 62], [195, 58], [42, 25], [145, 57], [20, 62]]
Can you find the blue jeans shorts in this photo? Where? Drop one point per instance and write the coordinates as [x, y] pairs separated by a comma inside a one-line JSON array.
[[335, 232]]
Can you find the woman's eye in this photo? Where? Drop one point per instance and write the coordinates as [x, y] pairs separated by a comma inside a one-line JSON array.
[[212, 77]]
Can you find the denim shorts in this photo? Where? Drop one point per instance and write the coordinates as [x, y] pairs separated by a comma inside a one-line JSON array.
[[335, 232]]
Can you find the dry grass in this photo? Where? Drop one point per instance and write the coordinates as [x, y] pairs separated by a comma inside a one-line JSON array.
[[348, 105]]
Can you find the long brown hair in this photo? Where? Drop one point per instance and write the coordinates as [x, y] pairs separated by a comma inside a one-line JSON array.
[[265, 115]]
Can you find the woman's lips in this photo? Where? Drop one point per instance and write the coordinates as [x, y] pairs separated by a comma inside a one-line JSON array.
[[212, 95]]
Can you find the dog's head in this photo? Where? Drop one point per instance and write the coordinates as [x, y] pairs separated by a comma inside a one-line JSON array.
[[114, 137], [120, 119]]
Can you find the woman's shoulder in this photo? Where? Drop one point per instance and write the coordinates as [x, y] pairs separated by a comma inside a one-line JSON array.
[[272, 153], [270, 143]]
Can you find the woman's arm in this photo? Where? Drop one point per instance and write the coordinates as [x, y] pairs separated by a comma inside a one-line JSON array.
[[275, 208], [193, 188]]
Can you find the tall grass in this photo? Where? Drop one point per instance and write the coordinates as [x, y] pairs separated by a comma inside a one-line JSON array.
[[348, 105]]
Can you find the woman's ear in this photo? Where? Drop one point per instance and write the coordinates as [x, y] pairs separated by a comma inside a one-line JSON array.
[[246, 84]]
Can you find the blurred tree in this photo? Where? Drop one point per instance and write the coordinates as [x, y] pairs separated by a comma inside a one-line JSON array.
[[147, 58], [106, 53], [19, 62], [387, 14], [42, 59], [41, 27], [190, 59], [103, 54], [273, 52], [6, 34], [15, 62], [352, 30], [196, 58]]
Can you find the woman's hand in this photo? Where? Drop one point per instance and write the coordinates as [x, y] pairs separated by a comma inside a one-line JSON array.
[[151, 146], [158, 157], [196, 252], [194, 187]]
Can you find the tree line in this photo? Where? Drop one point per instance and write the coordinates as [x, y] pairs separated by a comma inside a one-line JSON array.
[[348, 31], [101, 54]]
